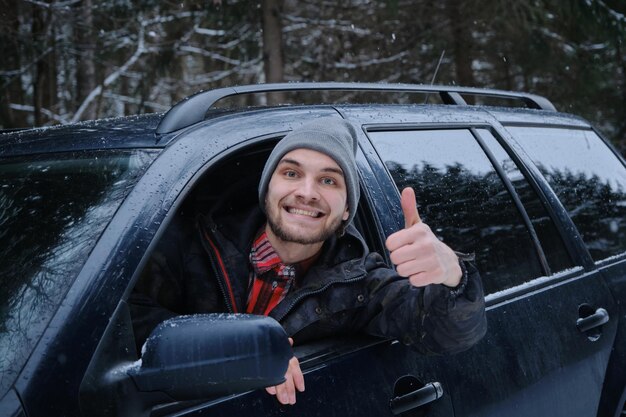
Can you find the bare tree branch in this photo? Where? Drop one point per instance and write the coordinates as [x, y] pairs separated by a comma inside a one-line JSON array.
[[615, 15], [31, 109], [9, 75], [113, 76], [370, 62], [212, 55], [57, 5], [134, 100], [247, 67], [340, 25]]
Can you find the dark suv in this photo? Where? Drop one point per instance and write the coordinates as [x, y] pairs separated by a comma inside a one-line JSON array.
[[538, 196]]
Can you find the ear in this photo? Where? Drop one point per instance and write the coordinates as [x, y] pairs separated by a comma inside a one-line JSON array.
[[346, 214]]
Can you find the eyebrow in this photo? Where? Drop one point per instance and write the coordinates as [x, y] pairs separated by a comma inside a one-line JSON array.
[[298, 164]]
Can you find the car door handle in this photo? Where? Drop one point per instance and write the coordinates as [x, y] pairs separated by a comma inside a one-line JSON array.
[[597, 319], [427, 394]]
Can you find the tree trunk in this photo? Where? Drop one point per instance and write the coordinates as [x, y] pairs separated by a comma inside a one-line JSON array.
[[620, 136], [461, 43], [11, 50], [45, 82], [85, 61], [273, 46]]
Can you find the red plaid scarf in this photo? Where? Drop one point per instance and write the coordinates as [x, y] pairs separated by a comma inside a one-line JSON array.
[[270, 279]]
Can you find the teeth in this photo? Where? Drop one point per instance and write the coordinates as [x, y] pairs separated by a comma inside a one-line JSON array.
[[303, 212]]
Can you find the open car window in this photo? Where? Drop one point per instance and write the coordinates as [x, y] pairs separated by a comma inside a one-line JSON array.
[[232, 184]]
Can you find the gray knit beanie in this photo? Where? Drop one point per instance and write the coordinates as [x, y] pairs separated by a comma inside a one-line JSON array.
[[329, 135]]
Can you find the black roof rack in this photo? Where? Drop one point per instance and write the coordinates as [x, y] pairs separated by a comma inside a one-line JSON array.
[[193, 109]]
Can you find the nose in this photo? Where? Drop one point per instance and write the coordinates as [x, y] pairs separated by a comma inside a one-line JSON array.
[[308, 190]]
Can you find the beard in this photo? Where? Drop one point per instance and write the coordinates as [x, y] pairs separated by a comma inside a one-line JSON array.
[[278, 228]]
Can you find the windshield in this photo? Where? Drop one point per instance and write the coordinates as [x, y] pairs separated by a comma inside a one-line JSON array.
[[52, 211]]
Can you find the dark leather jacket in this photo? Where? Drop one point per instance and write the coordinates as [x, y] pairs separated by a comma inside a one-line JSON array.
[[204, 267]]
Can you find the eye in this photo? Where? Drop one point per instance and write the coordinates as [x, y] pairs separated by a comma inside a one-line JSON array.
[[328, 181], [290, 174]]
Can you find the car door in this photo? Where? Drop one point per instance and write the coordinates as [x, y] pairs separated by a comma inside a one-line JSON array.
[[590, 180], [344, 376], [534, 359]]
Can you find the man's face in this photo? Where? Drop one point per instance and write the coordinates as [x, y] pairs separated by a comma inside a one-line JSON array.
[[306, 198]]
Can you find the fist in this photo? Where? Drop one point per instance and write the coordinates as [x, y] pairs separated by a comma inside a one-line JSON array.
[[418, 254]]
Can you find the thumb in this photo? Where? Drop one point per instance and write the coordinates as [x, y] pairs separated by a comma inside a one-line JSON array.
[[409, 207]]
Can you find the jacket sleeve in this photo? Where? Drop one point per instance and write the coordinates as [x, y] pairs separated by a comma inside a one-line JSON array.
[[176, 280], [434, 319]]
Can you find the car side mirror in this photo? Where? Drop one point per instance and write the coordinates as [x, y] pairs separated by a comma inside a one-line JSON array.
[[202, 356]]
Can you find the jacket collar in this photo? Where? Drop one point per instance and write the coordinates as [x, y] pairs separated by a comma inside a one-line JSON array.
[[240, 229]]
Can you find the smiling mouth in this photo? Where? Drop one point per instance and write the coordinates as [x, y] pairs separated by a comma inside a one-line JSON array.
[[309, 213]]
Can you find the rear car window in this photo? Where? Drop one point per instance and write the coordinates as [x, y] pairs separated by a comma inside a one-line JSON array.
[[588, 178], [464, 201], [552, 244], [53, 208]]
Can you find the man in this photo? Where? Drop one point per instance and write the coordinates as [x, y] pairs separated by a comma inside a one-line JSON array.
[[297, 258]]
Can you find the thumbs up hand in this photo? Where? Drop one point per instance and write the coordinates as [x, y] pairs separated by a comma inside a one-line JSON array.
[[418, 254]]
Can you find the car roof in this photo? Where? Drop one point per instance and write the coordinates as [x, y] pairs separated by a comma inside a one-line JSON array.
[[148, 131], [114, 133], [457, 115]]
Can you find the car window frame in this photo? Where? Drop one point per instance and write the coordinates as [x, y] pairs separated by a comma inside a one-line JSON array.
[[503, 146], [312, 355], [528, 170]]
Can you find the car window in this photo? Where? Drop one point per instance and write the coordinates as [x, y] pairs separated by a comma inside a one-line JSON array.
[[164, 273], [551, 241], [464, 201], [52, 210], [589, 180]]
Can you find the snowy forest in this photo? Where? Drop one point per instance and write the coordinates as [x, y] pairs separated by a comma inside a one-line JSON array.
[[70, 60]]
